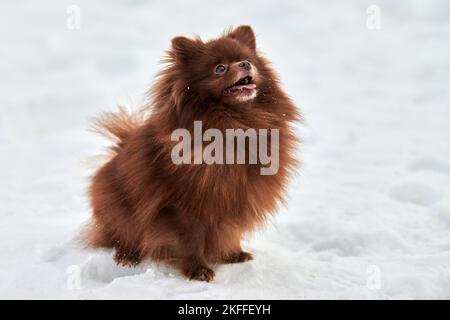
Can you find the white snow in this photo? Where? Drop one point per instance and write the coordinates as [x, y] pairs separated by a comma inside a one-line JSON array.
[[369, 213]]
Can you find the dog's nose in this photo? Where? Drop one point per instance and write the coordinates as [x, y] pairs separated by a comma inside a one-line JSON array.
[[245, 64]]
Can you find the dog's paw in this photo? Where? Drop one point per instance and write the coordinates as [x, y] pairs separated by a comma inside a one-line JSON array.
[[130, 259], [200, 274], [238, 257]]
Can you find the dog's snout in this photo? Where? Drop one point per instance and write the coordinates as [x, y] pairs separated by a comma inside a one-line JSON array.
[[245, 65]]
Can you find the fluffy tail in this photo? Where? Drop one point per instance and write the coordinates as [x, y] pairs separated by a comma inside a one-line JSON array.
[[117, 126]]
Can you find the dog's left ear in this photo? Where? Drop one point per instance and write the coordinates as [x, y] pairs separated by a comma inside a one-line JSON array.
[[245, 35]]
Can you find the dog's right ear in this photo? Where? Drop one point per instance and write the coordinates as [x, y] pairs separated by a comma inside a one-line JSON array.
[[185, 49]]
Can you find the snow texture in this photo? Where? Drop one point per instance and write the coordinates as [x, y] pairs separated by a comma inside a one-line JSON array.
[[368, 215]]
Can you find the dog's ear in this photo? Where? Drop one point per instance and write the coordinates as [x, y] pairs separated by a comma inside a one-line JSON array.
[[245, 35], [185, 49]]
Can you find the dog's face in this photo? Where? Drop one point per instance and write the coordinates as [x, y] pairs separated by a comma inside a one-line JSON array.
[[224, 70]]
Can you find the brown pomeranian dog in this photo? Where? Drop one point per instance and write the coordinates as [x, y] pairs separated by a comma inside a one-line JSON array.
[[193, 214]]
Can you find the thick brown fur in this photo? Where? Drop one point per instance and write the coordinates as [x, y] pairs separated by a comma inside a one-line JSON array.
[[191, 215]]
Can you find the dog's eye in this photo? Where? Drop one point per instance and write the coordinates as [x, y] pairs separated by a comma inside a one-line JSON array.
[[220, 69]]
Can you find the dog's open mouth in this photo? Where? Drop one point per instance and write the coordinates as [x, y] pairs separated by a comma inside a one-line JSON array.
[[243, 86]]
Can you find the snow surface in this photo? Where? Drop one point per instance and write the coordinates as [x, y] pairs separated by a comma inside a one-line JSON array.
[[369, 214]]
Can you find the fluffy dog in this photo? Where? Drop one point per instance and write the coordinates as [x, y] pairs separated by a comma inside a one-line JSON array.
[[193, 216]]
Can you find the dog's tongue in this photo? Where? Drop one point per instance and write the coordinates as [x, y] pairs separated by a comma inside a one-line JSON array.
[[241, 87]]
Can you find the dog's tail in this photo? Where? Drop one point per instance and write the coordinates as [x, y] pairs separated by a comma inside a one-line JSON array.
[[118, 126]]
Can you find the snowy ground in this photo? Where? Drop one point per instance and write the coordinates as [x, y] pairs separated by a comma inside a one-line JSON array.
[[369, 215]]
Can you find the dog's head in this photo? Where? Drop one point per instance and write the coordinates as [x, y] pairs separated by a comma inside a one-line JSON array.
[[227, 70]]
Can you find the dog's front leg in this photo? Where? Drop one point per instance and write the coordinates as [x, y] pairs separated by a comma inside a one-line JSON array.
[[192, 255]]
